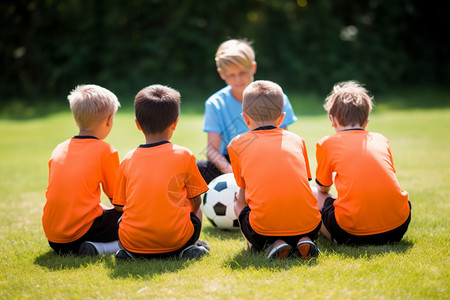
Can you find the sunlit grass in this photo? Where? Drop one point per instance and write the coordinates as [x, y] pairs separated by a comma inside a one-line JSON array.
[[416, 268]]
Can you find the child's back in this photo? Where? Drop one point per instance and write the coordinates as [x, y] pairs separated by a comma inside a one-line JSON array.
[[78, 169], [276, 208], [159, 185], [273, 166], [370, 208], [152, 186], [370, 199]]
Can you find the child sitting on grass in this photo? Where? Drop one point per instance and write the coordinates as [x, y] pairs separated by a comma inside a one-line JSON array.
[[370, 208], [236, 65], [159, 185], [73, 212], [276, 208]]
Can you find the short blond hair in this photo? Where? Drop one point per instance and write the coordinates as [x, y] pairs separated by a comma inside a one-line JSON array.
[[235, 52], [91, 104], [349, 102], [263, 101]]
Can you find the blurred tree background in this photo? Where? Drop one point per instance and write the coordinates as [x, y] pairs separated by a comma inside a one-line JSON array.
[[49, 46]]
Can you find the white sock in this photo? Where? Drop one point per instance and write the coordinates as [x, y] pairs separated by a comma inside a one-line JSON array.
[[106, 248]]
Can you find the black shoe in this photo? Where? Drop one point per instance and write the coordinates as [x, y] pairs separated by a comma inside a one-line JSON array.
[[193, 252], [202, 243], [123, 254], [87, 249]]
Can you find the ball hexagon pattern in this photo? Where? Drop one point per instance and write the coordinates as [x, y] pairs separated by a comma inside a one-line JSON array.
[[218, 202]]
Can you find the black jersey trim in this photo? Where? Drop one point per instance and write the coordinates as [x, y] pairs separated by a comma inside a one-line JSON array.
[[153, 144], [84, 137], [265, 128]]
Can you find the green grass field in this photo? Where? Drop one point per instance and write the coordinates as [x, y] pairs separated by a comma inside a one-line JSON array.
[[416, 268]]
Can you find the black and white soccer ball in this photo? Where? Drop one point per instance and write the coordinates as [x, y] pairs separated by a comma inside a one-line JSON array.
[[218, 202]]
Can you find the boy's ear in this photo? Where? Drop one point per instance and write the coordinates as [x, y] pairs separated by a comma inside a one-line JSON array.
[[247, 119], [365, 124], [137, 124], [174, 124], [281, 119], [254, 67], [109, 120], [333, 121], [219, 70]]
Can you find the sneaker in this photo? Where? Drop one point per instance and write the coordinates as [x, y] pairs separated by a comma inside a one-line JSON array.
[[202, 243], [88, 249], [123, 254], [307, 249], [193, 252], [280, 249]]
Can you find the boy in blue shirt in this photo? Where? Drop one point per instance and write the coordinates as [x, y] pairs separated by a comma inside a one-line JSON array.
[[236, 65]]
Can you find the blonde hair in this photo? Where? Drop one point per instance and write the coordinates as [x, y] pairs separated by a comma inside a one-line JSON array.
[[350, 103], [263, 101], [235, 52], [91, 104]]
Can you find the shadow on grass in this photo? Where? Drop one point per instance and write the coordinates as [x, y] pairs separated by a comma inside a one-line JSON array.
[[139, 268], [246, 259], [222, 234], [364, 251], [52, 261]]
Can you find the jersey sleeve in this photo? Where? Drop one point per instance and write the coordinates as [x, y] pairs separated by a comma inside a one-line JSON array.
[[211, 118], [120, 187], [195, 184], [391, 159], [234, 160], [110, 165], [290, 115], [305, 155], [324, 172]]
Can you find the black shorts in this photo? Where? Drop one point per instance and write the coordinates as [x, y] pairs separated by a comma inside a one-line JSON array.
[[209, 170], [340, 236], [104, 229], [260, 242], [194, 238]]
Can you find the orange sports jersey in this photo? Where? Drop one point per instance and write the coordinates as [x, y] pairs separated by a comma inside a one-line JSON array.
[[77, 167], [154, 184], [272, 165], [370, 199]]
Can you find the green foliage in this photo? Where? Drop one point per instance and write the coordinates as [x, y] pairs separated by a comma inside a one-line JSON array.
[[49, 46]]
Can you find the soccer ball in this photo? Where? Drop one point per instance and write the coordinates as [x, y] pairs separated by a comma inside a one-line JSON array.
[[218, 202]]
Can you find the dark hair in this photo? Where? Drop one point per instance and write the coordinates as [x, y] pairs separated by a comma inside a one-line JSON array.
[[156, 108]]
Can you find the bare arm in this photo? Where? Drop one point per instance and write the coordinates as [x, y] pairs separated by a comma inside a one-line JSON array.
[[323, 189], [118, 208], [240, 202], [321, 193], [196, 202], [213, 154]]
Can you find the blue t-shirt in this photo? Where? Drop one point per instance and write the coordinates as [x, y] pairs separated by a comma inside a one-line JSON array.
[[223, 115]]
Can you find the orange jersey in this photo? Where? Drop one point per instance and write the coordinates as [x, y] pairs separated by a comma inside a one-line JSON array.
[[370, 199], [154, 184], [272, 165], [77, 168]]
